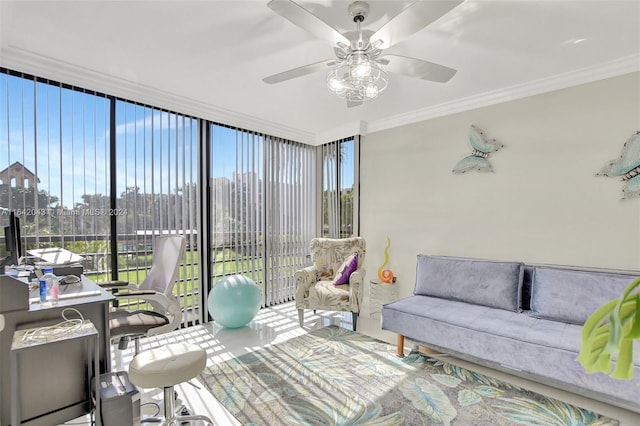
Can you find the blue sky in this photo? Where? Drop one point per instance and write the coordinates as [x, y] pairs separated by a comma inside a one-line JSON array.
[[55, 148]]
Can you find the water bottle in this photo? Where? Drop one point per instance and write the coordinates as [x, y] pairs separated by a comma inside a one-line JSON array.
[[49, 289], [43, 289]]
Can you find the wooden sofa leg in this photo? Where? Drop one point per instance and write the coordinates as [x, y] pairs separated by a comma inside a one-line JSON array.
[[428, 351], [400, 349]]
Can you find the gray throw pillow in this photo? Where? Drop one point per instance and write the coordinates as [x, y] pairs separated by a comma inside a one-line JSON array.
[[572, 296], [482, 282]]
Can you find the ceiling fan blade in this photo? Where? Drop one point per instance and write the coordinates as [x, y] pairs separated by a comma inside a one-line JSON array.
[[411, 20], [418, 68], [301, 17], [299, 72]]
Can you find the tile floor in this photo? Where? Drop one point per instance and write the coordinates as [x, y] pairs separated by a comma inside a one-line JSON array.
[[277, 324]]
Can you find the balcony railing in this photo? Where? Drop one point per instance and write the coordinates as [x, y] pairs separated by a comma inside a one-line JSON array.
[[229, 255]]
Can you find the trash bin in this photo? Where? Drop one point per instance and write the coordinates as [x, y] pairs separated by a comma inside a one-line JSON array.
[[119, 400]]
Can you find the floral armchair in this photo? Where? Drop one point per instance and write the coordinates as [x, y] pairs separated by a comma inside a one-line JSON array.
[[319, 286]]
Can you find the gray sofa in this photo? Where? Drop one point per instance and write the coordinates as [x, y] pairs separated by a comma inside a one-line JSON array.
[[522, 319]]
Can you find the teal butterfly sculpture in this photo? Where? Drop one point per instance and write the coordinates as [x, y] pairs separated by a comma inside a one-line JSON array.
[[482, 147], [627, 166]]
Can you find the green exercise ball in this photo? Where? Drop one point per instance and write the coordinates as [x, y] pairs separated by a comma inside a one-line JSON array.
[[234, 301]]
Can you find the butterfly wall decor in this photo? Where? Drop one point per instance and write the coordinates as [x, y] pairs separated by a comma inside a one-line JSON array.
[[482, 147], [627, 167]]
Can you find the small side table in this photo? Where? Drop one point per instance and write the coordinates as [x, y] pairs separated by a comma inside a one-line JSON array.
[[379, 294], [30, 338]]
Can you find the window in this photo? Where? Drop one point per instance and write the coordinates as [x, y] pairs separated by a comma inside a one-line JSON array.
[[54, 166], [156, 164], [340, 183], [262, 208], [100, 176]]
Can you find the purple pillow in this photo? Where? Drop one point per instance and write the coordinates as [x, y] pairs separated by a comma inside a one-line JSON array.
[[345, 270]]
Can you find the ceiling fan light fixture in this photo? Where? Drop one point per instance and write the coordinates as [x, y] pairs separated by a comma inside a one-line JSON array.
[[335, 84], [361, 71], [360, 67], [357, 79], [371, 91]]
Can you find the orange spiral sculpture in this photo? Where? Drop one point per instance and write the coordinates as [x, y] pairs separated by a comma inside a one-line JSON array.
[[385, 275]]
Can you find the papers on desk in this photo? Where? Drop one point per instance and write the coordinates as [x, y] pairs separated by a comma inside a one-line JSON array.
[[56, 255]]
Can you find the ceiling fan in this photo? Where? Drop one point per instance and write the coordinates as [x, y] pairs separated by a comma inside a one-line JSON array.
[[359, 71]]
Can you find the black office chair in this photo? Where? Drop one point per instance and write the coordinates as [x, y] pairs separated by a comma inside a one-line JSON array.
[[156, 289]]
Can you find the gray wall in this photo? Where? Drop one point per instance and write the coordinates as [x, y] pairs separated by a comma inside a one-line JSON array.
[[542, 204]]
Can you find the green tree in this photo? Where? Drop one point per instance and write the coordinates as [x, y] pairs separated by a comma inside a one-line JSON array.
[[88, 218], [35, 208]]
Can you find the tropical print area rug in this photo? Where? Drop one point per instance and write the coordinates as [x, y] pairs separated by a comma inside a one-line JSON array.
[[334, 376]]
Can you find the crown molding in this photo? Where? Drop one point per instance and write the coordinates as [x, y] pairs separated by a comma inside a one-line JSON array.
[[344, 131], [64, 72], [590, 74]]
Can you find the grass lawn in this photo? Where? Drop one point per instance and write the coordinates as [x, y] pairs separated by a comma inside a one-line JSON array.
[[187, 289]]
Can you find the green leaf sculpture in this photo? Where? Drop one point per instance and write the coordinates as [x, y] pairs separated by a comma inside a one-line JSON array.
[[610, 331]]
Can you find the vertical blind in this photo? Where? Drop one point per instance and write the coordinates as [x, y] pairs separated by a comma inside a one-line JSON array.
[[262, 211], [157, 185], [79, 166], [290, 219], [57, 171], [330, 198], [54, 166], [340, 184]]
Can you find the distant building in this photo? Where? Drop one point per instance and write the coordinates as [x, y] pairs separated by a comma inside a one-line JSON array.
[[18, 176]]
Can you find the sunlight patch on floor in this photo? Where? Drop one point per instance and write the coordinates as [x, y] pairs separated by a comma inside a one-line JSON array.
[[271, 326]]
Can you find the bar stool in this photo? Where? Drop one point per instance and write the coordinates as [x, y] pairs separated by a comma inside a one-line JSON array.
[[165, 367]]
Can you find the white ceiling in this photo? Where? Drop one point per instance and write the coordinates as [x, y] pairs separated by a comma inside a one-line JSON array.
[[208, 58]]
